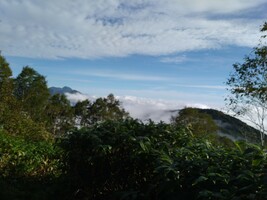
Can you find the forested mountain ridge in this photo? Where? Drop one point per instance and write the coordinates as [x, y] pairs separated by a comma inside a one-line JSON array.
[[232, 127], [59, 90], [227, 125]]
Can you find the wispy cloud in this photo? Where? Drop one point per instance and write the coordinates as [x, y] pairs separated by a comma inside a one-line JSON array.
[[104, 28], [176, 59], [122, 76], [72, 80], [217, 87]]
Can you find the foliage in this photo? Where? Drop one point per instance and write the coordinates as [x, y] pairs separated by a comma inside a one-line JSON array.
[[26, 167], [5, 71], [233, 127], [60, 116], [7, 100], [21, 158], [6, 82], [132, 160], [81, 112], [112, 156], [248, 88], [200, 123], [21, 125], [32, 92], [100, 110]]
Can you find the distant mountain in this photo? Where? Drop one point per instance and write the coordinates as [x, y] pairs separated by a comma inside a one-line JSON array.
[[232, 127], [58, 90]]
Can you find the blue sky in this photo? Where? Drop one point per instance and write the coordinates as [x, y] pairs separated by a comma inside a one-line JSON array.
[[173, 50]]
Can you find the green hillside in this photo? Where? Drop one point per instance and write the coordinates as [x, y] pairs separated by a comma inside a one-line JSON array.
[[232, 127]]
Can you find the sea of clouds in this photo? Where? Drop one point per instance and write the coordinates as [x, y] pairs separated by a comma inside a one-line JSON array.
[[159, 110], [143, 108]]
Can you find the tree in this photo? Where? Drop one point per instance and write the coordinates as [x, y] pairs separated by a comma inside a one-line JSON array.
[[6, 82], [12, 118], [106, 109], [60, 118], [32, 91], [5, 71], [102, 109], [200, 123], [8, 103], [248, 87], [81, 112]]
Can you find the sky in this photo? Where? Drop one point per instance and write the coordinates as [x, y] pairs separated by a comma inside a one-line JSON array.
[[159, 54]]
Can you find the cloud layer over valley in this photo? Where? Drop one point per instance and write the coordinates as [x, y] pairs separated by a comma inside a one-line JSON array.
[[143, 108]]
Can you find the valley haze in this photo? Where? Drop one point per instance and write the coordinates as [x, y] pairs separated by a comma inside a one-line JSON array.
[[142, 108]]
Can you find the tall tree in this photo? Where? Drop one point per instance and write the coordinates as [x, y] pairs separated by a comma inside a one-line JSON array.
[[6, 82], [248, 87], [5, 71], [106, 109], [8, 104], [12, 118], [32, 91], [88, 113], [81, 109], [60, 118]]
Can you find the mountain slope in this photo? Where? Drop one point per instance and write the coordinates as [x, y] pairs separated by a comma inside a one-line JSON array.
[[65, 89], [232, 127]]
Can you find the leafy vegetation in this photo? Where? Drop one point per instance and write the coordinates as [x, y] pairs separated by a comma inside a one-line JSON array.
[[102, 109], [132, 160], [199, 122], [234, 127], [248, 87], [27, 167], [50, 149]]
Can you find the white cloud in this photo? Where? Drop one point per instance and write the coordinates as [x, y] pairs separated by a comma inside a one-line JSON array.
[[216, 87], [121, 76], [74, 98], [176, 59], [157, 110], [92, 29], [144, 108]]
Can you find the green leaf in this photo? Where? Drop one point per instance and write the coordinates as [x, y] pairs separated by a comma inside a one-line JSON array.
[[143, 146], [256, 162], [199, 180]]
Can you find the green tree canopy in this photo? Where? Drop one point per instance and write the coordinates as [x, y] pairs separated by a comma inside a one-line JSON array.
[[100, 110], [60, 116], [6, 82], [8, 103], [32, 91], [81, 112], [5, 71]]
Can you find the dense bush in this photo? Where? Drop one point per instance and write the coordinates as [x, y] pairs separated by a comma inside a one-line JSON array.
[[132, 160], [27, 167]]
